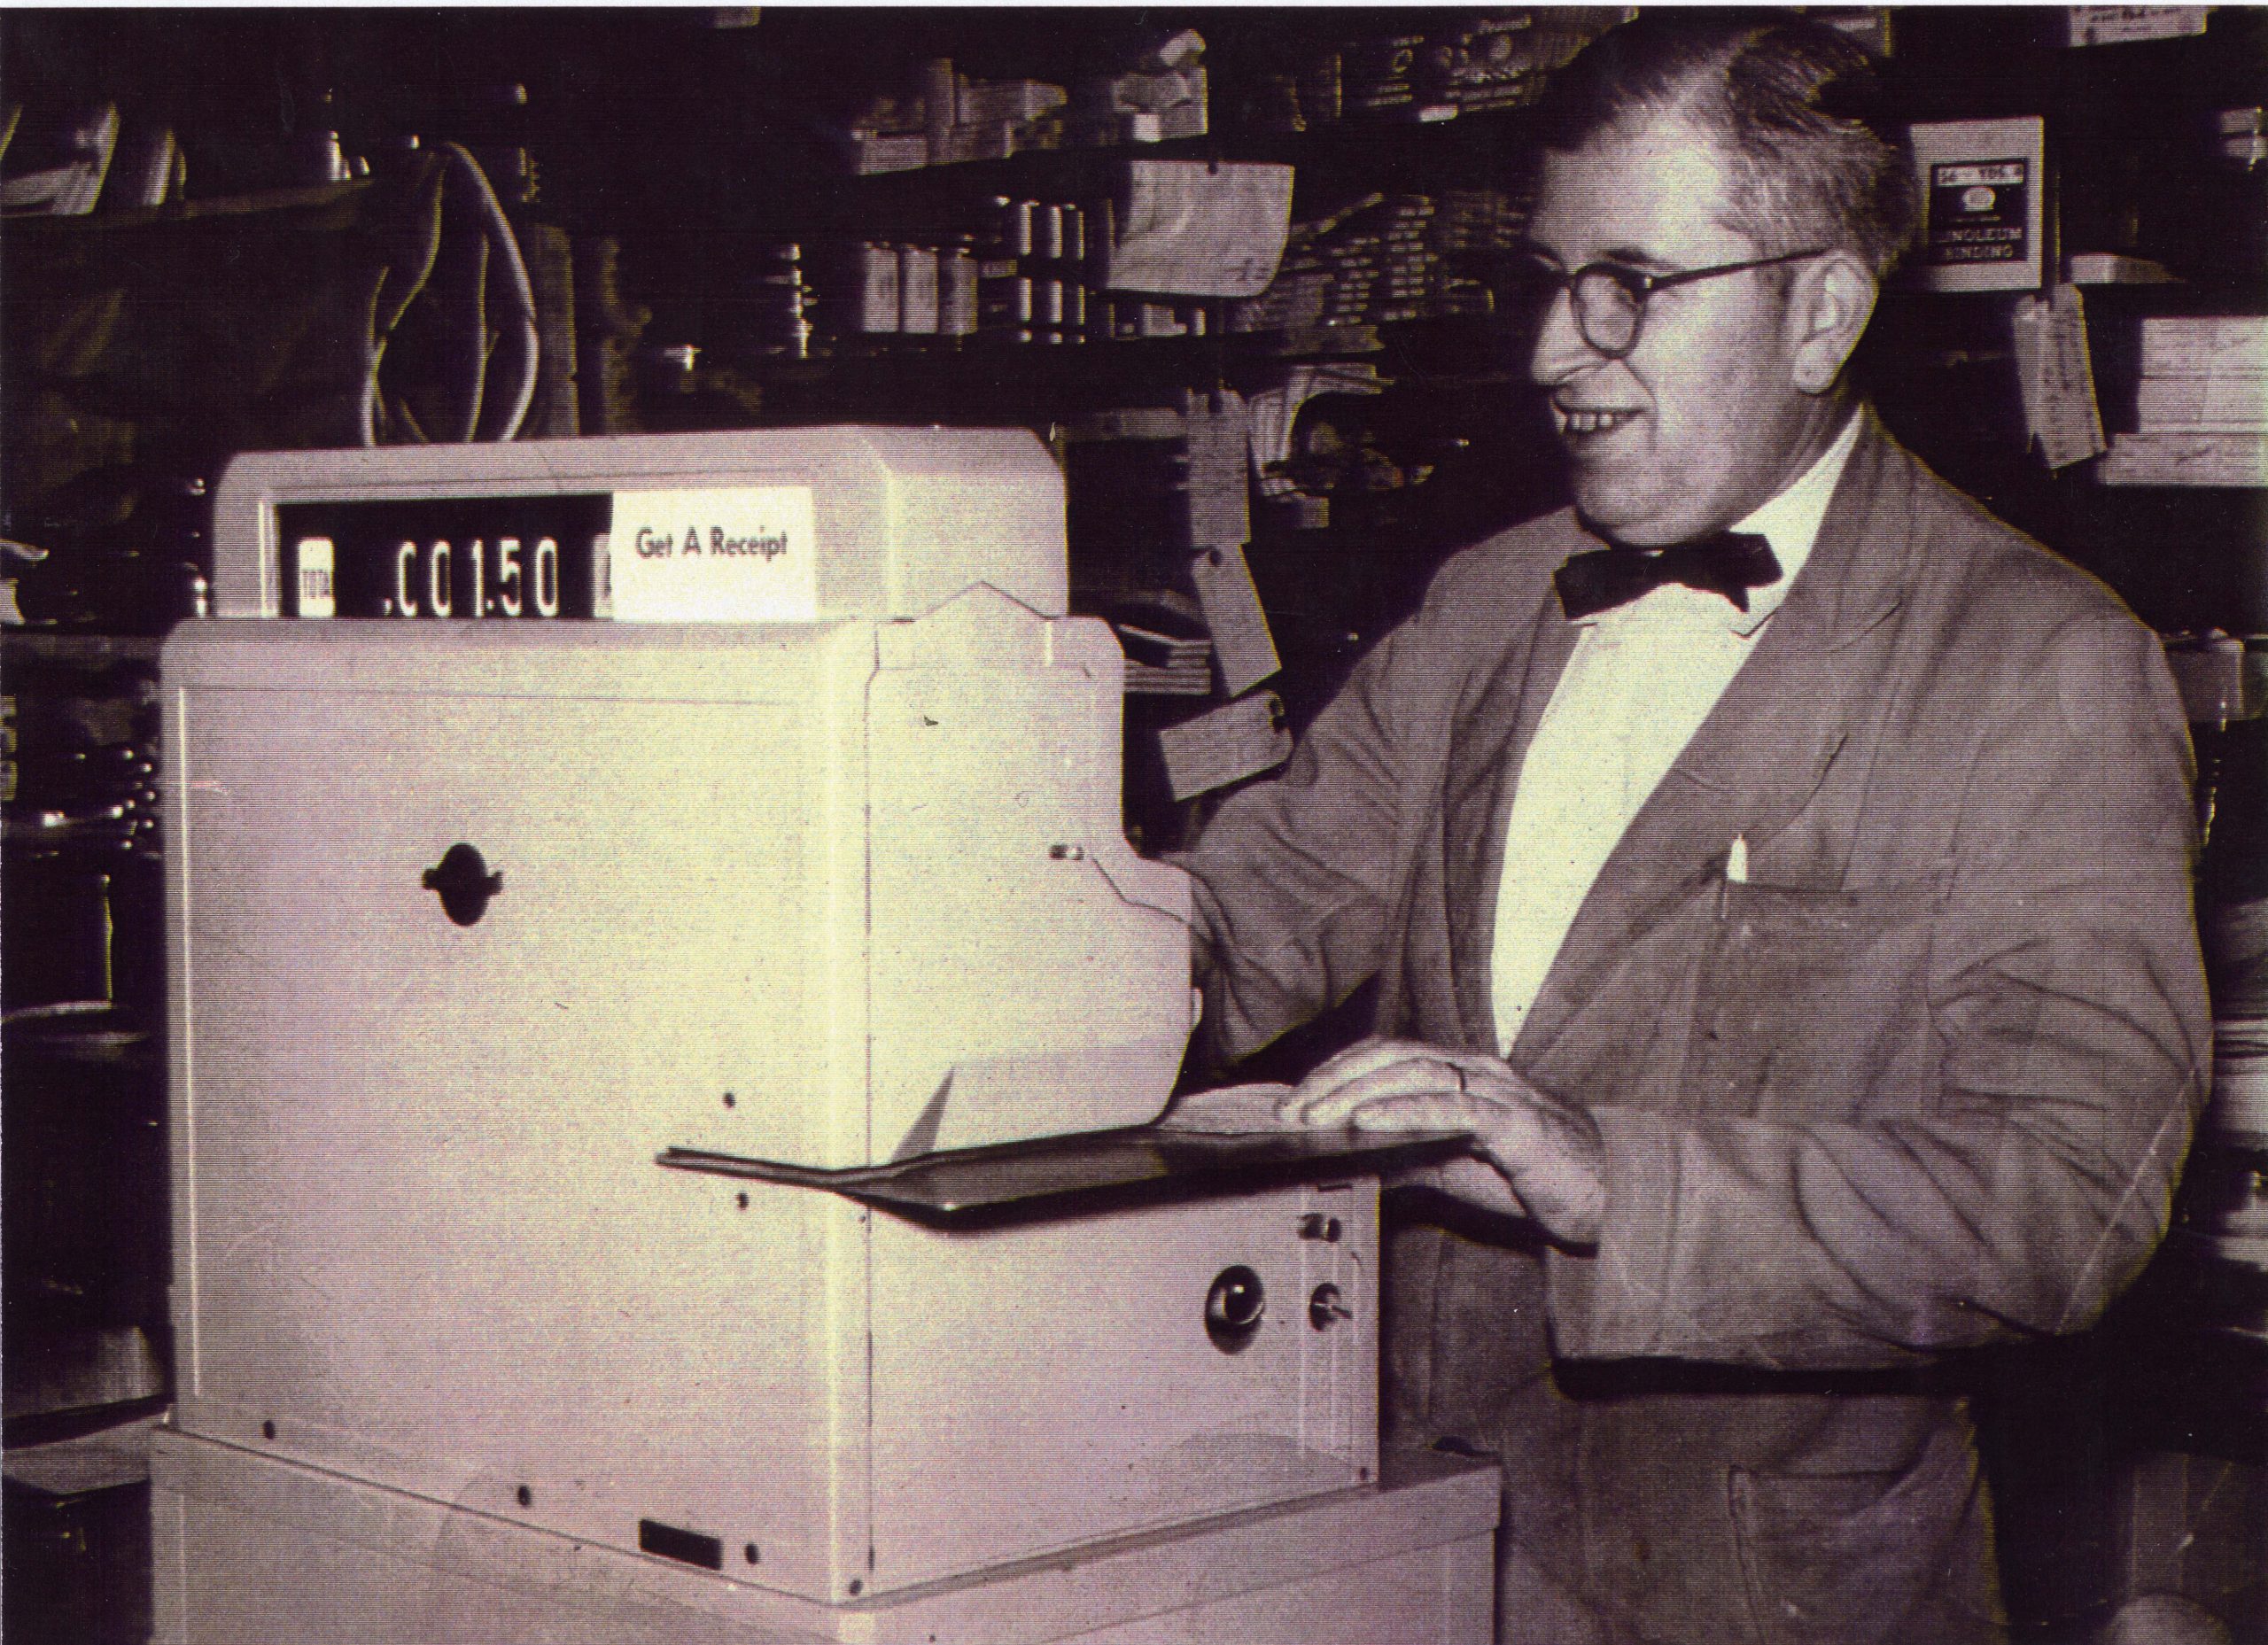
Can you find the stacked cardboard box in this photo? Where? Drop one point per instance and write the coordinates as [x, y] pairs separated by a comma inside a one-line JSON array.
[[2202, 406], [1161, 96], [954, 119]]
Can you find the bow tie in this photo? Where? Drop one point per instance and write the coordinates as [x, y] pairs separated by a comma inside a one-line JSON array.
[[1729, 563]]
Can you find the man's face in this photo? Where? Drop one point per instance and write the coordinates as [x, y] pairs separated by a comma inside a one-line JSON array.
[[1702, 423]]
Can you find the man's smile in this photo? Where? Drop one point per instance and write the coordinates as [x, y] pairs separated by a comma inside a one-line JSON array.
[[1578, 422]]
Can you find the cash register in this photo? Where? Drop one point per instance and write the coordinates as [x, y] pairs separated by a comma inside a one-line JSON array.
[[666, 1035]]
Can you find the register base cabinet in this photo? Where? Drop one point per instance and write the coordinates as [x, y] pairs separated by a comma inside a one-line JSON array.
[[253, 1551]]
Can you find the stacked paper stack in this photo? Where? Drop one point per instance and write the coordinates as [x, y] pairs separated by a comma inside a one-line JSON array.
[[1384, 257], [1163, 666], [1294, 301], [1379, 269], [1318, 253], [1479, 221], [2201, 406]]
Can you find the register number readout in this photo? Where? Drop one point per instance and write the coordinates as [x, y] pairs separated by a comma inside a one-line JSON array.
[[484, 557]]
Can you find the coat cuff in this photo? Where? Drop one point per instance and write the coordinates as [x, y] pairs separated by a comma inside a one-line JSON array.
[[1610, 1304]]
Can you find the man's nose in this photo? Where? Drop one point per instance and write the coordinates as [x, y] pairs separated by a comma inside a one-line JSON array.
[[1561, 351]]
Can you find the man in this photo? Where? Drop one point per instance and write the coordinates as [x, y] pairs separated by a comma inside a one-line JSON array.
[[1804, 941]]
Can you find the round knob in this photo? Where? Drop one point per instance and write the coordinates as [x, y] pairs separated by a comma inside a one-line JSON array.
[[1233, 1307]]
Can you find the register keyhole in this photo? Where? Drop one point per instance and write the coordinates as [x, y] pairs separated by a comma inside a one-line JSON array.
[[463, 883]]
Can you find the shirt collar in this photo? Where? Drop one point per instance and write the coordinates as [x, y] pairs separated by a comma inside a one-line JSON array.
[[1790, 524]]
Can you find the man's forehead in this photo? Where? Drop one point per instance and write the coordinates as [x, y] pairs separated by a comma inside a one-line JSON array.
[[1655, 192]]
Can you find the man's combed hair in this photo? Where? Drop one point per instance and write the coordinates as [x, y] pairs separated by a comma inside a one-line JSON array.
[[1793, 105]]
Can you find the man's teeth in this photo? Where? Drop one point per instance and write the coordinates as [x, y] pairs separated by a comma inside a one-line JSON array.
[[1592, 422]]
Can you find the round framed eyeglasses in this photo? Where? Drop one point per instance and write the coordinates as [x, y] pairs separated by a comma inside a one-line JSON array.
[[1609, 299]]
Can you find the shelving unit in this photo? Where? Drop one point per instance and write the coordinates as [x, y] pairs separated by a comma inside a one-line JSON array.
[[2132, 170]]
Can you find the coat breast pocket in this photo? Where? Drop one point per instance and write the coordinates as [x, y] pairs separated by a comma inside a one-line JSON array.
[[1812, 1005]]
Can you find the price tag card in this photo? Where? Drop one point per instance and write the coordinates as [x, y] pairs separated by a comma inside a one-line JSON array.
[[1215, 433], [1233, 615], [741, 555], [1233, 741], [2056, 374], [1199, 227], [2115, 25]]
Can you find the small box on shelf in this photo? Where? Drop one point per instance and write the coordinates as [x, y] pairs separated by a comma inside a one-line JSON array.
[[2194, 458], [2201, 405]]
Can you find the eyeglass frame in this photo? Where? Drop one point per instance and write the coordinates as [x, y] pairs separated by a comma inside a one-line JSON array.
[[1640, 286]]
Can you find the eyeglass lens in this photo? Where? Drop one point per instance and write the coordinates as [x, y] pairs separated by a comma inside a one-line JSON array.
[[1607, 311]]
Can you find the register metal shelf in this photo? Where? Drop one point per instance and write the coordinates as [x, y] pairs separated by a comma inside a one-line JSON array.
[[1103, 1170]]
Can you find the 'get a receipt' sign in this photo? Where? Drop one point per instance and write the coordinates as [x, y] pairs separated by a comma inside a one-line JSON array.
[[741, 555]]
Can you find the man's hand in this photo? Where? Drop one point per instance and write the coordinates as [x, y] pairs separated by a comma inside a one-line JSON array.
[[1538, 1156]]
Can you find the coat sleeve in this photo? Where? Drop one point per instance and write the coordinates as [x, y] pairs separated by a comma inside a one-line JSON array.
[[1297, 878], [2067, 1008]]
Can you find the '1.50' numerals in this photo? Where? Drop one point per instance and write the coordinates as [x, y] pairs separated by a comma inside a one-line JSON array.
[[429, 580]]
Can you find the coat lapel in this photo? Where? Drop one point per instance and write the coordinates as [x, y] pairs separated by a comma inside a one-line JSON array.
[[1483, 771], [1760, 754]]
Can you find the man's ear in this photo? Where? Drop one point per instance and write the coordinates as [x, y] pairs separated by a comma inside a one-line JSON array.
[[1828, 310]]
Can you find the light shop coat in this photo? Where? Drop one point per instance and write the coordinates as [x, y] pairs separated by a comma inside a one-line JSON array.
[[1924, 1080]]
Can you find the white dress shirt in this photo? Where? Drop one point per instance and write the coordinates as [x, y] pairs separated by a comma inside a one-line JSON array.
[[1641, 678]]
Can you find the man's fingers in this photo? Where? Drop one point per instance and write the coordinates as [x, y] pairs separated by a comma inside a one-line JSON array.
[[1354, 1063], [1357, 1060], [1425, 1110], [1543, 1153], [1474, 1181], [1478, 1183], [1414, 1074]]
